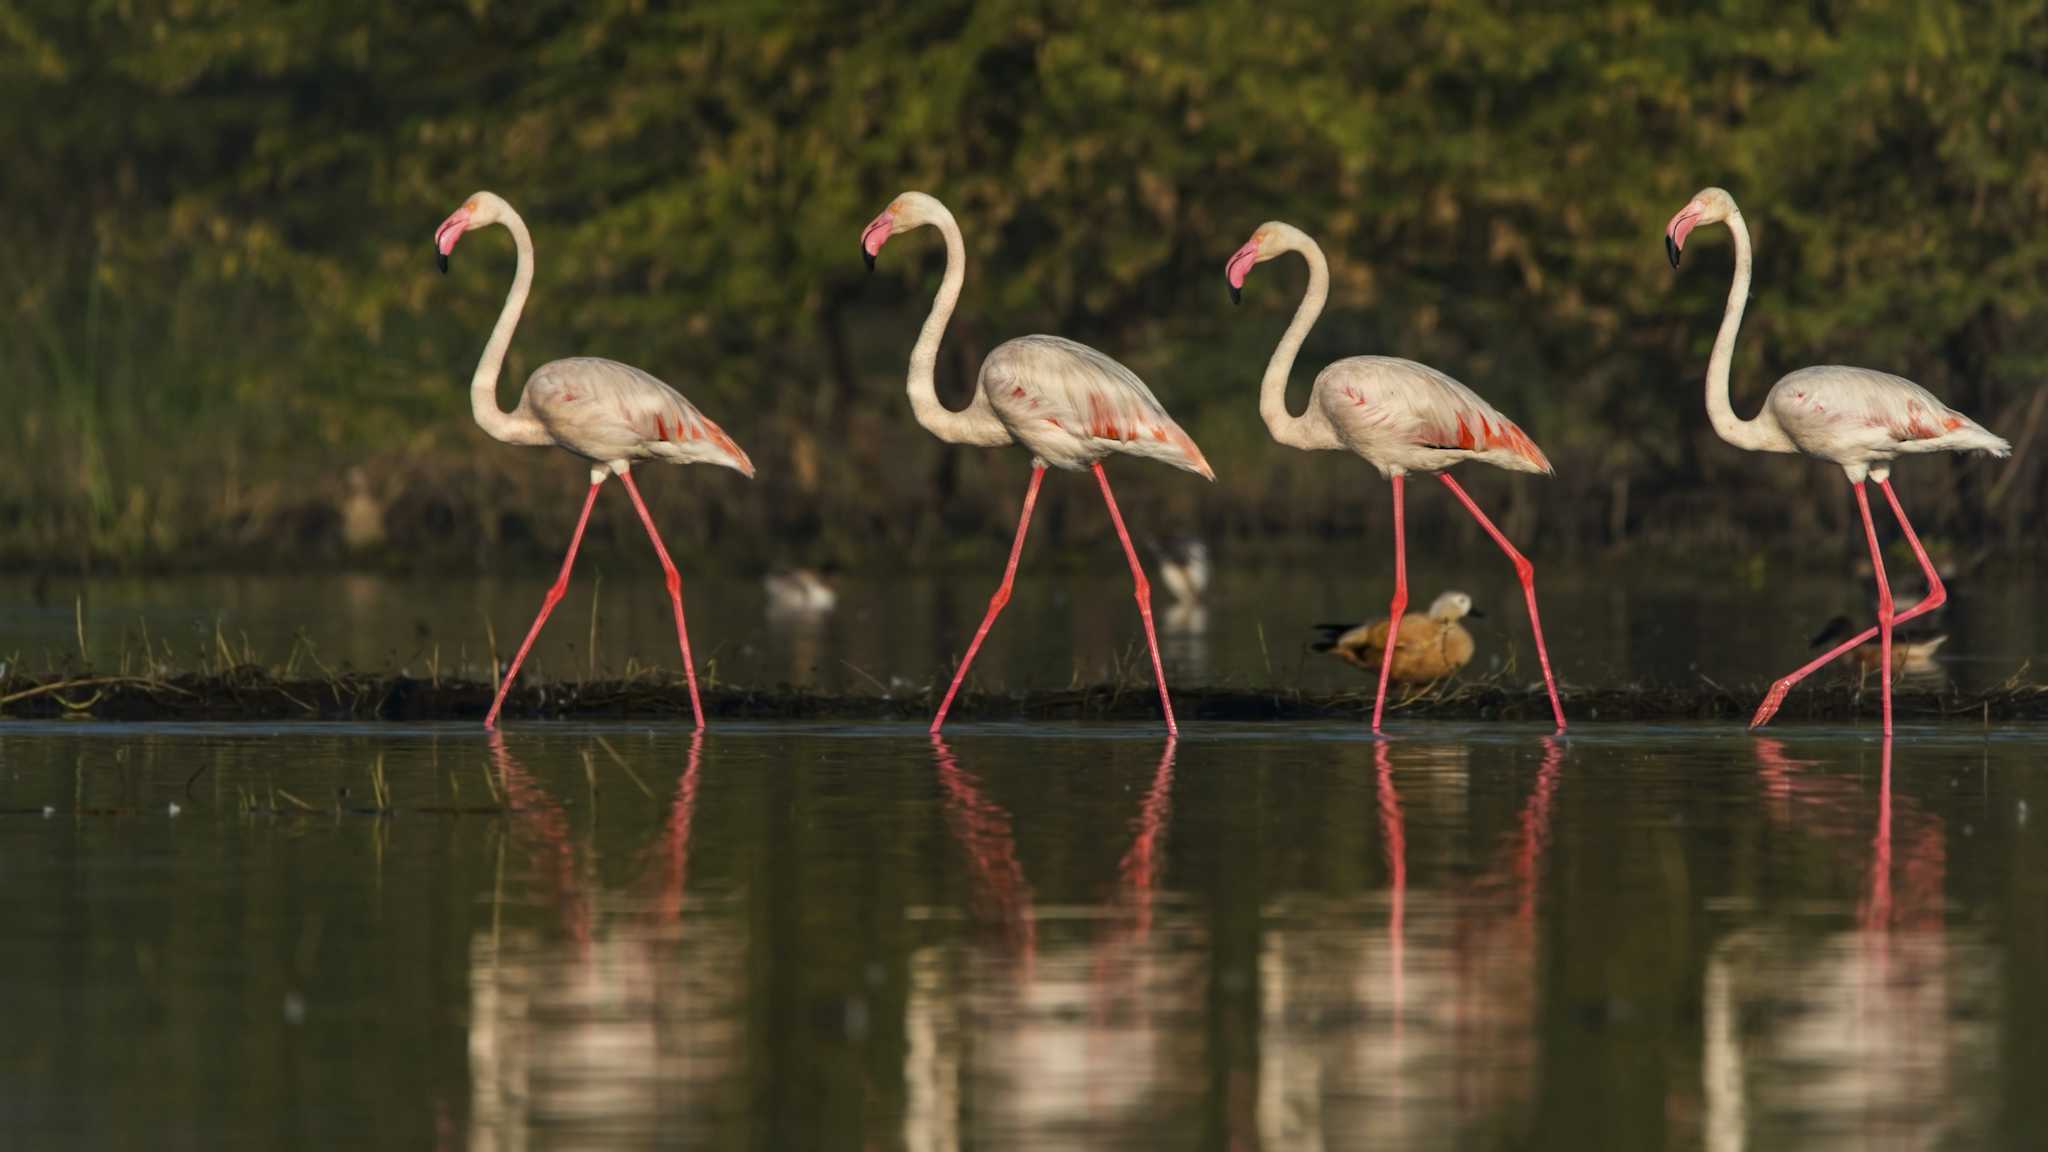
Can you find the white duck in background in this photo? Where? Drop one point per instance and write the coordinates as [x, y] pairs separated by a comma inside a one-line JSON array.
[[1184, 569], [799, 592]]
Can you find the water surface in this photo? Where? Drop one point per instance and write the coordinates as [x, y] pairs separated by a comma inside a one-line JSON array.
[[1262, 936]]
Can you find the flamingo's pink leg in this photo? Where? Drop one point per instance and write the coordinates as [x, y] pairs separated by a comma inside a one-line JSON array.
[[1143, 592], [1526, 573], [1937, 595], [547, 605], [1394, 610], [1884, 602], [675, 593], [995, 602]]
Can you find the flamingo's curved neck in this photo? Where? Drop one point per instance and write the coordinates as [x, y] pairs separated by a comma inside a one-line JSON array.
[[1761, 434], [977, 423], [518, 426], [1295, 431]]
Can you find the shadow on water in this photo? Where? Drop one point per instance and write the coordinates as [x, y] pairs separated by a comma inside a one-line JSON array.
[[1022, 936]]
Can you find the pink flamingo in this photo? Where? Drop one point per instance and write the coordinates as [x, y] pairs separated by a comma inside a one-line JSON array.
[[1401, 416], [1859, 419], [1069, 404], [606, 412]]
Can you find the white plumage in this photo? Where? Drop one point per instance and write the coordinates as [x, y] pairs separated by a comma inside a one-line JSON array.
[[603, 410], [1071, 406], [1400, 414], [1854, 416]]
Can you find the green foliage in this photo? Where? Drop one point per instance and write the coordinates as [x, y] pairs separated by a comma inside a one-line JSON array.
[[219, 296]]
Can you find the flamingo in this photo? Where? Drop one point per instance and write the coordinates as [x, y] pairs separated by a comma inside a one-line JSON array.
[[608, 413], [1856, 418], [1069, 404], [1401, 416]]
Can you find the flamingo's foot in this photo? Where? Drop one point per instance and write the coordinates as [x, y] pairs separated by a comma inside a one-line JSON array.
[[1773, 700]]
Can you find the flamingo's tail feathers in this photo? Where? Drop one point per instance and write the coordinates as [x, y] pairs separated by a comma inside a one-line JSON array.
[[1194, 461], [1983, 441], [1956, 433], [734, 457]]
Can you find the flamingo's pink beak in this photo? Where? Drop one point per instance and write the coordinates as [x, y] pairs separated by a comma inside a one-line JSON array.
[[876, 234], [1239, 265], [1680, 227], [448, 233]]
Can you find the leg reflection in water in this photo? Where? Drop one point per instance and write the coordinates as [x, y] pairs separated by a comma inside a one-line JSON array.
[[1066, 1023], [1407, 1008], [1869, 1032], [1000, 896], [619, 1027]]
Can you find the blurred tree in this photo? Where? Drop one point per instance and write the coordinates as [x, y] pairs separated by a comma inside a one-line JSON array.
[[219, 295]]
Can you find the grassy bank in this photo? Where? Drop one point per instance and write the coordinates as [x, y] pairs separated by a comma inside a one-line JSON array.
[[252, 694]]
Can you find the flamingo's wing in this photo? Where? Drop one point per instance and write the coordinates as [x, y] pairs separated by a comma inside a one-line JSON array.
[[586, 399], [1399, 410], [1087, 394], [1834, 405]]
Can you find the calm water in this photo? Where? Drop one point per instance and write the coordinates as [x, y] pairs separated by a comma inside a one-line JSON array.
[[1028, 937], [1617, 624]]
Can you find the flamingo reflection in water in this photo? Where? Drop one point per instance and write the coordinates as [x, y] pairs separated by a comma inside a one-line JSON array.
[[1042, 1035], [600, 1033], [1865, 1035], [1358, 1024]]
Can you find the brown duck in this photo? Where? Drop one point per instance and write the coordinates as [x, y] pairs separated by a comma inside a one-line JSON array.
[[1912, 654], [1432, 645]]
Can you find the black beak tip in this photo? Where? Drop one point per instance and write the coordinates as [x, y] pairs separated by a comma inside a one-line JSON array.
[[867, 256], [1671, 250], [1475, 613], [441, 258], [1235, 293]]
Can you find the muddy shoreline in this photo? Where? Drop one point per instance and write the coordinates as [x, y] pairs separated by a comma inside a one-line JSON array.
[[253, 695]]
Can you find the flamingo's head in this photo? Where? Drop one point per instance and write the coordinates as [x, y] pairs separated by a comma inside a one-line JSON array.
[[1270, 240], [910, 210], [1710, 206], [479, 210]]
